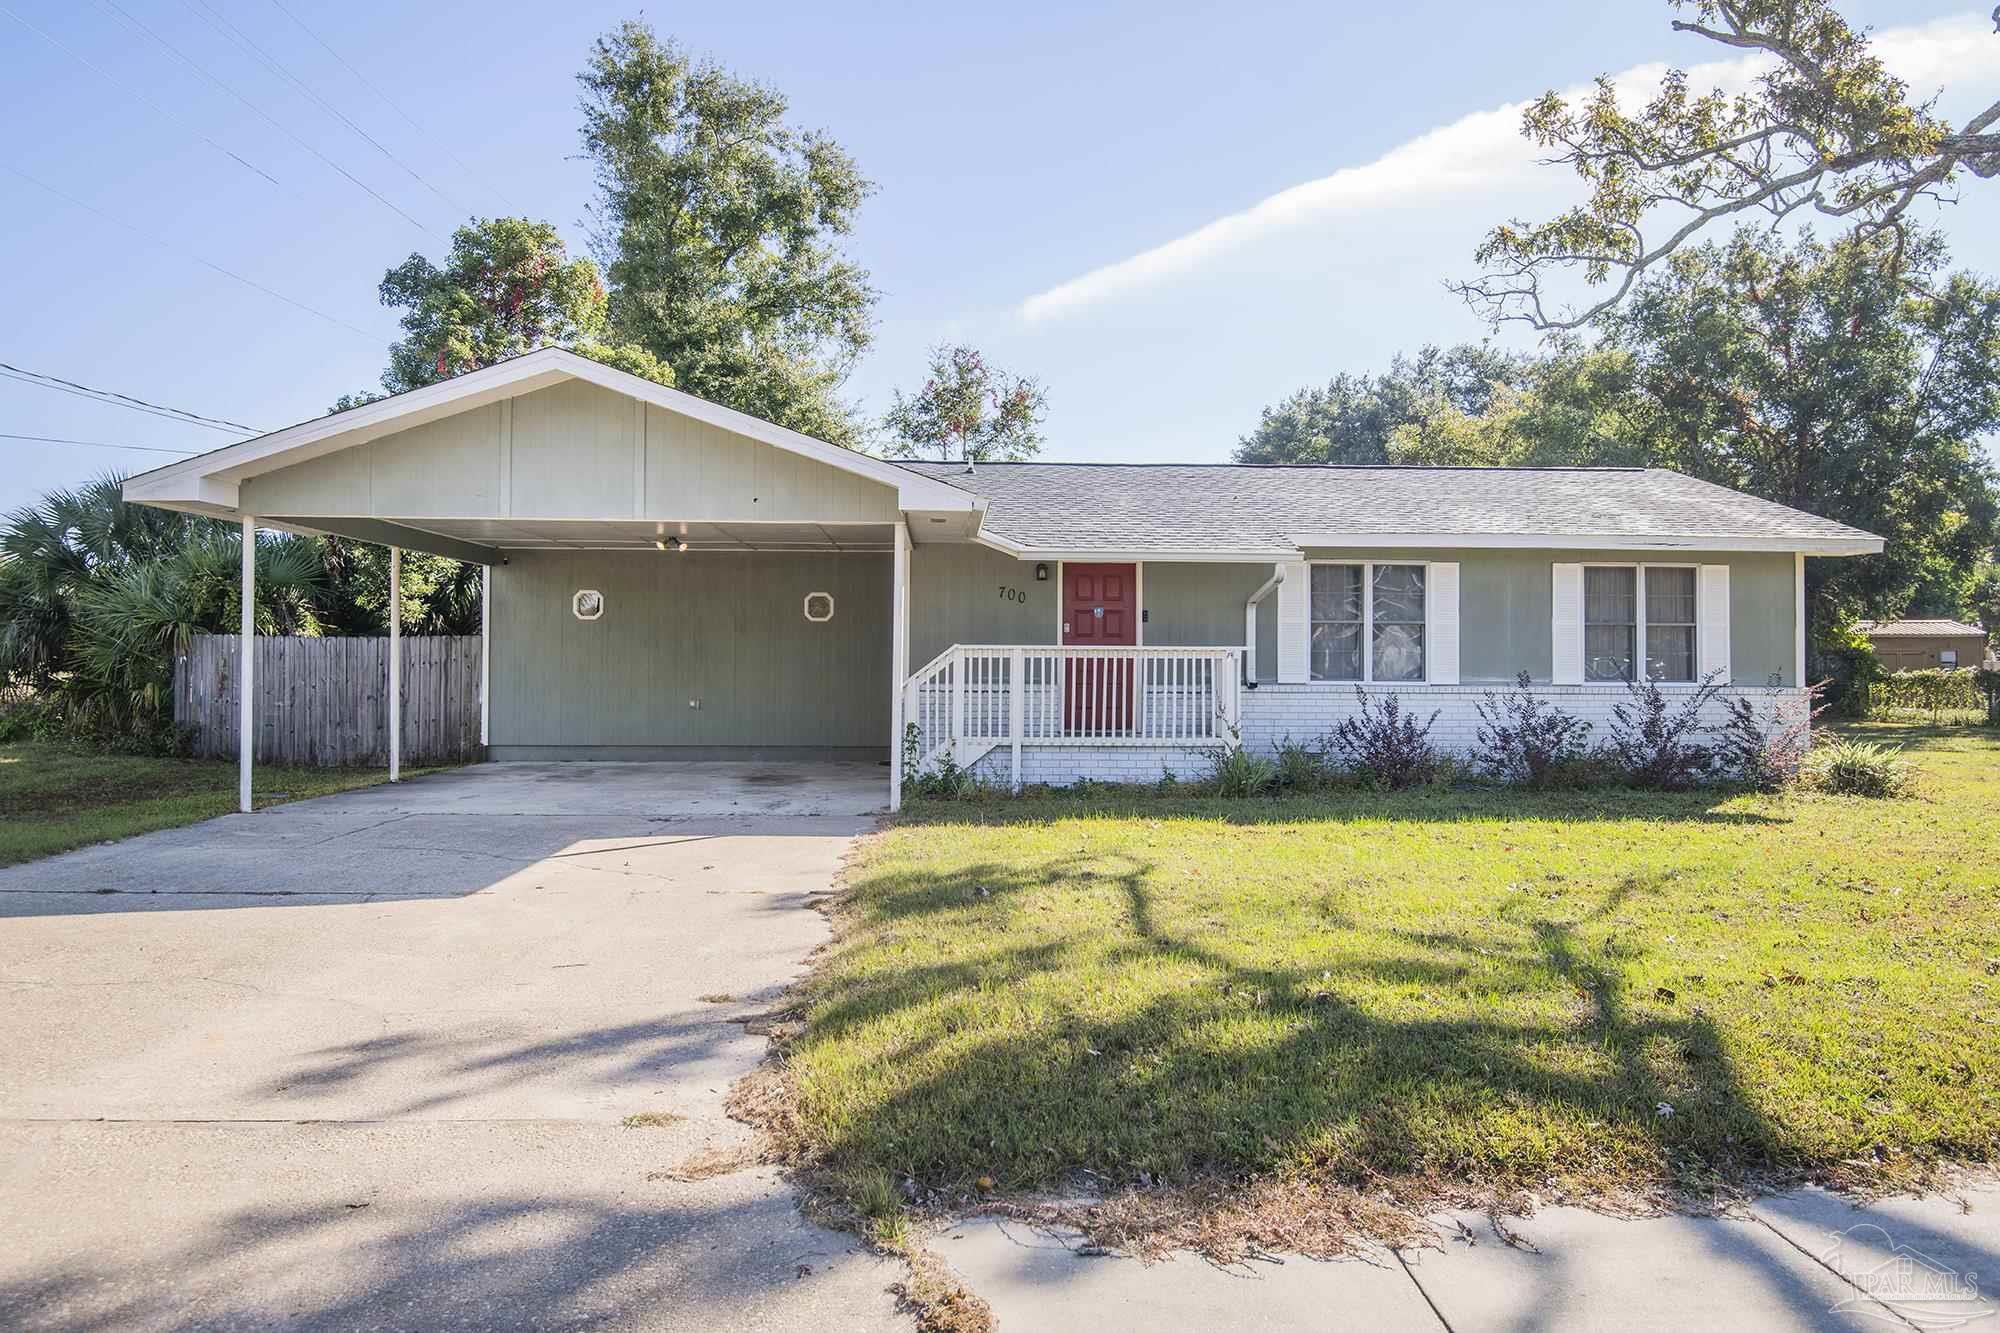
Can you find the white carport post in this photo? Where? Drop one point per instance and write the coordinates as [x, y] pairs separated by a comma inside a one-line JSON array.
[[899, 660], [245, 682], [485, 650], [395, 664]]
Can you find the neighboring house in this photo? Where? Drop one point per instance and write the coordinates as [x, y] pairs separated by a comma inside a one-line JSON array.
[[1912, 645], [672, 579]]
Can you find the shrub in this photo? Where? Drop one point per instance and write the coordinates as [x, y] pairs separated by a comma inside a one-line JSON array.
[[1987, 678], [1847, 656], [1769, 758], [1859, 768], [1237, 772], [1302, 766], [1930, 690], [1524, 738], [946, 781], [1385, 745], [1654, 738]]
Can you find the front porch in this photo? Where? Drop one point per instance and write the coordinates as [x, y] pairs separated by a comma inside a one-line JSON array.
[[1059, 714]]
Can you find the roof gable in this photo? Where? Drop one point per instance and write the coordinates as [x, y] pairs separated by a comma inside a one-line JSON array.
[[210, 482]]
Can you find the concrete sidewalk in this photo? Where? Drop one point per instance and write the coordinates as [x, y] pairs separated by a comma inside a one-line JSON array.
[[1809, 1260]]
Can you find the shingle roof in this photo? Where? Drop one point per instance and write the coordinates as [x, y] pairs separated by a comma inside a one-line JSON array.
[[1914, 629], [1238, 507]]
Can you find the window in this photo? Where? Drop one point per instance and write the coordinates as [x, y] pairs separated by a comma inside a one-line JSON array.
[[1614, 637], [1948, 658], [1337, 610], [819, 607], [587, 604], [1368, 622], [1670, 624], [1610, 622], [1399, 622]]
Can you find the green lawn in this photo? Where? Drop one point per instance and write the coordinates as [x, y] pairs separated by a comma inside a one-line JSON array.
[[1585, 991], [55, 797]]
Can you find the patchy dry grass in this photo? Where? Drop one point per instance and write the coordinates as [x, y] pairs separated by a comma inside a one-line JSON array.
[[56, 797], [1395, 998], [651, 1120]]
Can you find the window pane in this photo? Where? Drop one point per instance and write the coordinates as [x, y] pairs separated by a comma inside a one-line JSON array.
[[1336, 592], [1399, 652], [1669, 651], [1336, 651], [1399, 594], [1670, 597], [1607, 651], [1610, 596]]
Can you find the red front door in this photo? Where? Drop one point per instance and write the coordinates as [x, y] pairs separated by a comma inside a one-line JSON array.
[[1100, 609]]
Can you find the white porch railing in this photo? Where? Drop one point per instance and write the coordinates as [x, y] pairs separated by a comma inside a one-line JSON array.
[[970, 699]]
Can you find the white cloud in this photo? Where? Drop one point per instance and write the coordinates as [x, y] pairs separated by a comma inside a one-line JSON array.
[[1480, 151]]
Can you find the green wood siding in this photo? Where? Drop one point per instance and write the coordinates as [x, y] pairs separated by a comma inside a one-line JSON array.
[[1505, 604], [726, 630], [1198, 605], [958, 594], [571, 451]]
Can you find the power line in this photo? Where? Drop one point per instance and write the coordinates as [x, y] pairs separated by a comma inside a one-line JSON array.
[[251, 283], [397, 107], [115, 399], [158, 109], [97, 444], [268, 119], [278, 67]]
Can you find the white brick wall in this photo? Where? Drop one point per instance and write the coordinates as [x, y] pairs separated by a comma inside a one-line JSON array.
[[1272, 712], [1307, 712], [1061, 765]]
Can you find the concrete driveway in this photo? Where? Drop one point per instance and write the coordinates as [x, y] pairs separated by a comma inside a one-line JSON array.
[[365, 1061]]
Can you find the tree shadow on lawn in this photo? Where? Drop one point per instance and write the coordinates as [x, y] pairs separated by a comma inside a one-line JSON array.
[[1503, 1059]]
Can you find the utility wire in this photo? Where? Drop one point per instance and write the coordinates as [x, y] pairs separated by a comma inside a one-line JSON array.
[[277, 67], [97, 444], [397, 107], [268, 119], [251, 283], [158, 109], [61, 385]]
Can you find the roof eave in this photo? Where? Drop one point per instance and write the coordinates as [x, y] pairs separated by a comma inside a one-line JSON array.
[[1860, 543]]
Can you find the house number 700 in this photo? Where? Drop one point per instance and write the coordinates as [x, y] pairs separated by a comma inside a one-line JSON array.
[[1008, 594]]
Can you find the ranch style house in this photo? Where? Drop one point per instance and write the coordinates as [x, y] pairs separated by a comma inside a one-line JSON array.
[[669, 579]]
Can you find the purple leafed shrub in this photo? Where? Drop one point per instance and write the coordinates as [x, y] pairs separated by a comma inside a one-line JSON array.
[[1768, 759], [1524, 738], [1385, 745], [1656, 738]]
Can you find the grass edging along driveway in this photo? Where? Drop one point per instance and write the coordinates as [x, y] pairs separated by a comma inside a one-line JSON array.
[[1571, 993], [54, 797]]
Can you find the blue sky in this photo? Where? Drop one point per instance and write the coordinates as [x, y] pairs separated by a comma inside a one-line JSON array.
[[1172, 214]]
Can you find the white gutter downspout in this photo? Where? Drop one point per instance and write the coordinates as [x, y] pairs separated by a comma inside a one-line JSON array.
[[1250, 622]]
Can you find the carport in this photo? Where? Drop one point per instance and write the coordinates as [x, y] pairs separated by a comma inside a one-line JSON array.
[[665, 579]]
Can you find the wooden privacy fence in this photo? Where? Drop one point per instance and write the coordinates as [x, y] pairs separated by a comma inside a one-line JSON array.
[[325, 701]]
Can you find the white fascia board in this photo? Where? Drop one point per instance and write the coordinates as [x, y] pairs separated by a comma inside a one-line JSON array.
[[223, 468], [1859, 544]]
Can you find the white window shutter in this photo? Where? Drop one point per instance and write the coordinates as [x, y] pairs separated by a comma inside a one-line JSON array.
[[1441, 609], [1295, 623], [1566, 626], [1711, 617]]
